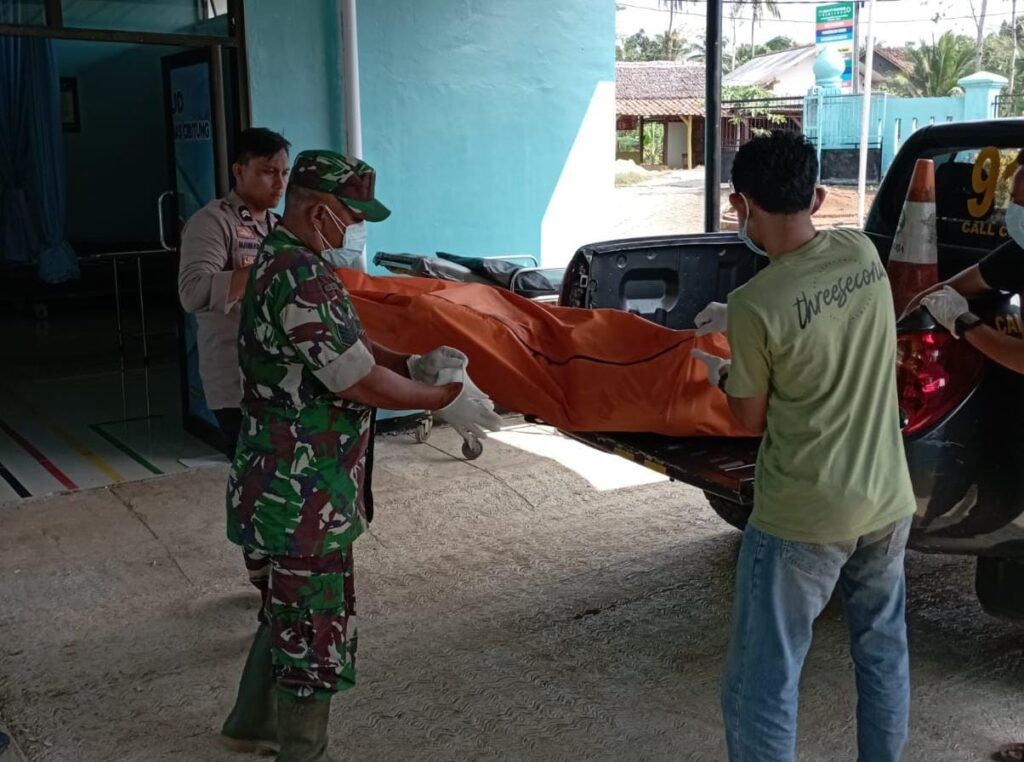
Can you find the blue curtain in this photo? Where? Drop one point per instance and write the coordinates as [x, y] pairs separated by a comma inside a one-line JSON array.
[[32, 161], [17, 246], [57, 262]]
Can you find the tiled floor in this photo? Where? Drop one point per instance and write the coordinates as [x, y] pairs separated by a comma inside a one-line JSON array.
[[71, 419]]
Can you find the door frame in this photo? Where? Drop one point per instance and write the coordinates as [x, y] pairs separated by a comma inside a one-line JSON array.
[[54, 29], [223, 127], [203, 48]]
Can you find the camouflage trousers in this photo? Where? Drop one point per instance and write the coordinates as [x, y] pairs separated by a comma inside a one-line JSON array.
[[258, 566], [311, 611]]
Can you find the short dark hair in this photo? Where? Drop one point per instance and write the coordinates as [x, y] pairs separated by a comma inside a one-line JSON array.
[[778, 171], [259, 142]]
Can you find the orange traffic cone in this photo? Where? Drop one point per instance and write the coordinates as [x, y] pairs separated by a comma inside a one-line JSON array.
[[914, 259]]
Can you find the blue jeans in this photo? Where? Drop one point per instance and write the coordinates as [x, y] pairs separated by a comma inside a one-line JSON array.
[[781, 588]]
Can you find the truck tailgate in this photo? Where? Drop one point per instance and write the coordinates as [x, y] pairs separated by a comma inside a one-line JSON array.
[[721, 466]]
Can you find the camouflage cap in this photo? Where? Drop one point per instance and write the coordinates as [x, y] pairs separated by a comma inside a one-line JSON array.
[[351, 181]]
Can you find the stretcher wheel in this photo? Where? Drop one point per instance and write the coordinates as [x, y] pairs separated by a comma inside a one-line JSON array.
[[423, 430], [472, 451]]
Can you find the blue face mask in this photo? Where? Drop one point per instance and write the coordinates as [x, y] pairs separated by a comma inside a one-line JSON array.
[[1015, 223], [745, 237]]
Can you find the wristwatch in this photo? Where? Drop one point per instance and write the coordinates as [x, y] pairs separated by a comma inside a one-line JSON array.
[[966, 322]]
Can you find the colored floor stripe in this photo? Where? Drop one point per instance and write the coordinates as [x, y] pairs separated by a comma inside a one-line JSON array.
[[11, 479], [41, 459], [125, 448], [105, 468]]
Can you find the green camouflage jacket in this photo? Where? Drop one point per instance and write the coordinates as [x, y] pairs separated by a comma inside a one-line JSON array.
[[296, 484]]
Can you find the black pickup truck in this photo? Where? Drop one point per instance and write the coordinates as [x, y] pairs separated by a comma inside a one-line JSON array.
[[962, 416]]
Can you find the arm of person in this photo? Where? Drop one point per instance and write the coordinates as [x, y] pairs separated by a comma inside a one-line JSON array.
[[390, 359], [1008, 351], [967, 282], [1002, 270], [750, 372], [203, 283], [384, 388], [324, 330], [751, 412], [236, 289]]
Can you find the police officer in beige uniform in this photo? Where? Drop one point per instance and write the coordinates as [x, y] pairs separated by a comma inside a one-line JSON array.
[[218, 246]]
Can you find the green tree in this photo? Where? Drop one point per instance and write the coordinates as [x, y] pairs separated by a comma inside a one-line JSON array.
[[741, 103], [671, 40], [757, 10], [1000, 53], [743, 53], [696, 49], [936, 68], [640, 47]]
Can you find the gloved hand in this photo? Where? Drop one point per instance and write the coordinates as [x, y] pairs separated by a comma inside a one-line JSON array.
[[472, 411], [711, 319], [716, 365], [946, 305], [424, 368]]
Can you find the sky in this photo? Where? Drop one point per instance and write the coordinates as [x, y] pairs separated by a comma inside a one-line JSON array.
[[896, 21]]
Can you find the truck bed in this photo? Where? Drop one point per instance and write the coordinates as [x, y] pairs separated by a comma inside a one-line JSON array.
[[721, 466]]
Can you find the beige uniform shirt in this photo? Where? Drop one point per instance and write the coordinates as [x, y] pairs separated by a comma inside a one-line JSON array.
[[219, 238]]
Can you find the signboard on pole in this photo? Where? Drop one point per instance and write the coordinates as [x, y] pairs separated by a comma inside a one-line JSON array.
[[834, 25]]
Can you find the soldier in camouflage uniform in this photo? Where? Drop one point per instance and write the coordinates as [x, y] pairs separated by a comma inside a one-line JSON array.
[[310, 377]]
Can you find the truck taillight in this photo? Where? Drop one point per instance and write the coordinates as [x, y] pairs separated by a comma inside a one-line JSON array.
[[935, 373]]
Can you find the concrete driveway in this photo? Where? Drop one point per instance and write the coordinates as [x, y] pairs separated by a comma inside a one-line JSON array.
[[509, 609]]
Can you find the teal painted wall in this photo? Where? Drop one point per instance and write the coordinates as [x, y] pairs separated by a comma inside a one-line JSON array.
[[834, 120], [470, 109], [295, 70]]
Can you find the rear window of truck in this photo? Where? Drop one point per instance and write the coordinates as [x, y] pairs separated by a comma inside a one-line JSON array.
[[972, 191]]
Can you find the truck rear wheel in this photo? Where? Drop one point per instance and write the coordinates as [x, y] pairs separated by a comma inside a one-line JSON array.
[[735, 514], [999, 583]]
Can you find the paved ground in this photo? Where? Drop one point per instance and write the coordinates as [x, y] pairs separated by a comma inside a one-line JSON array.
[[509, 610], [667, 203]]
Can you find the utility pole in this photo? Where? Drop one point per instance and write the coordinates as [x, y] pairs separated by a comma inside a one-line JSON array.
[[865, 116], [1013, 55], [713, 119], [856, 47]]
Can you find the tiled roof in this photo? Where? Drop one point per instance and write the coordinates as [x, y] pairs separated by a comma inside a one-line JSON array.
[[659, 88], [659, 106], [898, 57], [659, 79]]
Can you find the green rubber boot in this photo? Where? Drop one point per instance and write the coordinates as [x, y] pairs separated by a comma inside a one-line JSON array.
[[302, 728], [251, 727]]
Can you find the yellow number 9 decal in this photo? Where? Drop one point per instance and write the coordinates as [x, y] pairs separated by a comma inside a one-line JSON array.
[[984, 181]]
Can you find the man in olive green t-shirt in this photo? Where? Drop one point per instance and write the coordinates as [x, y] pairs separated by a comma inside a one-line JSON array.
[[813, 343]]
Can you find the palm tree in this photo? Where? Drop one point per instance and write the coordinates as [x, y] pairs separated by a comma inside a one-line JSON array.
[[937, 68], [696, 50], [673, 6], [757, 8]]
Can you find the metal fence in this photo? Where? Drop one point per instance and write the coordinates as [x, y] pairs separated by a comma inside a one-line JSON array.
[[1008, 105], [743, 119]]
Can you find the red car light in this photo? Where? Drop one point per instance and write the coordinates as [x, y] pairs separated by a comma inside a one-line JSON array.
[[935, 373]]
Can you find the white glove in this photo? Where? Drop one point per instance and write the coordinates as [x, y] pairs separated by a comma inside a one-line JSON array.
[[472, 411], [716, 365], [711, 319], [424, 368], [946, 305]]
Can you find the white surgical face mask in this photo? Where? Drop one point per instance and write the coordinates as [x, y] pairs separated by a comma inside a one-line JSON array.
[[742, 231], [352, 245], [1015, 223]]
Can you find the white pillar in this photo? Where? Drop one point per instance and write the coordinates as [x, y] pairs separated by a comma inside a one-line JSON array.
[[865, 114]]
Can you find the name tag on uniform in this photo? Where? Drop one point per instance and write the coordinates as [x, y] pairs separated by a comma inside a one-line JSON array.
[[247, 245]]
